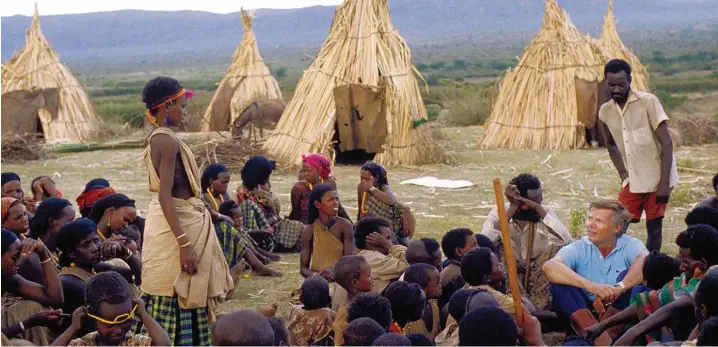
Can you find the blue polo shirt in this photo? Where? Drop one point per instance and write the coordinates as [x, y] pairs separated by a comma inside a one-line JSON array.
[[584, 258]]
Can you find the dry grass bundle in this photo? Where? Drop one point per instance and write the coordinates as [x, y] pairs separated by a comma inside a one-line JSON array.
[[247, 80], [615, 49], [232, 153], [695, 129], [362, 49], [20, 148], [537, 106], [35, 79]]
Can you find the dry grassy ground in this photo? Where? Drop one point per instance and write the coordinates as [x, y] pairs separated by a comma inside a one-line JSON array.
[[571, 179]]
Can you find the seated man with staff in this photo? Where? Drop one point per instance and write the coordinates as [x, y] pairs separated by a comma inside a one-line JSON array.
[[536, 234], [598, 270]]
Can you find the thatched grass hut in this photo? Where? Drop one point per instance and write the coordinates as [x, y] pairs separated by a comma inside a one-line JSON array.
[[248, 80], [614, 48], [359, 94], [550, 98], [40, 94]]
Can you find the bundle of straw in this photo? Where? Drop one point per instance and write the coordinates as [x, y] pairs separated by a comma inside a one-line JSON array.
[[364, 49], [19, 148], [247, 80], [232, 153], [614, 47], [537, 105], [38, 67]]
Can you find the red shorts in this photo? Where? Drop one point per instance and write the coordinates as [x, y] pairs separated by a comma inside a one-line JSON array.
[[636, 203]]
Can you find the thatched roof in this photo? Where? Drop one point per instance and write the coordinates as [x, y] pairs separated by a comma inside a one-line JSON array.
[[365, 59], [614, 48], [247, 80], [34, 82], [537, 104]]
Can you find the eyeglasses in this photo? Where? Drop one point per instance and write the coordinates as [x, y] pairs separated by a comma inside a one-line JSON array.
[[118, 320]]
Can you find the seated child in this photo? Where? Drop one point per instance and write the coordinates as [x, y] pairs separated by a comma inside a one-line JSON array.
[[407, 305], [242, 328], [424, 251], [487, 326], [419, 340], [426, 276], [372, 236], [111, 308], [281, 335], [312, 323], [362, 332], [454, 244], [457, 309], [371, 305], [392, 339], [353, 274]]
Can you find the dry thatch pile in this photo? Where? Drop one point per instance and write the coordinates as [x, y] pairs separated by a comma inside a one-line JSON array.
[[551, 96], [365, 66], [615, 49], [248, 80], [36, 84], [232, 153], [19, 148]]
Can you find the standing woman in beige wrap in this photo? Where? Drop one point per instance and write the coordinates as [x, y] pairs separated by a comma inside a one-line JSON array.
[[184, 270]]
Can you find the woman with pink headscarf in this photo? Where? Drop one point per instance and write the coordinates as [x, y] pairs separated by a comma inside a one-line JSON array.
[[316, 169]]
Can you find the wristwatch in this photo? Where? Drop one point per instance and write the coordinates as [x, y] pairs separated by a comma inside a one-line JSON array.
[[620, 284]]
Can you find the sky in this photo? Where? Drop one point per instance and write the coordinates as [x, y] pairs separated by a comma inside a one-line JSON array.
[[50, 7]]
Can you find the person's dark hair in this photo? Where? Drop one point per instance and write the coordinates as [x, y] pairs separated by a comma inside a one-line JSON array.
[[420, 251], [109, 287], [365, 227], [377, 171], [256, 172], [457, 303], [70, 235], [715, 182], [281, 335], [317, 194], [9, 177], [392, 339], [371, 305], [455, 238], [406, 301], [132, 232], [659, 269], [476, 266], [525, 182], [705, 293], [315, 293], [485, 242], [97, 183], [226, 207], [348, 268], [242, 328], [702, 240], [577, 341], [211, 173], [709, 333], [113, 200], [158, 90], [616, 66], [487, 326], [49, 210], [8, 238], [431, 244], [419, 274], [703, 215], [362, 332], [419, 340]]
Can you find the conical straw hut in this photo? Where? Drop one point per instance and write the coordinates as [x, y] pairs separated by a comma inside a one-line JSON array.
[[614, 48], [248, 80], [40, 94], [359, 94], [550, 97]]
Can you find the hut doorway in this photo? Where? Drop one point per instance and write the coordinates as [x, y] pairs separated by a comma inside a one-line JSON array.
[[361, 127], [21, 110]]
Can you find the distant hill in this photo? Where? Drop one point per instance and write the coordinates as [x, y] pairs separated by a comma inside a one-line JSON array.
[[129, 35]]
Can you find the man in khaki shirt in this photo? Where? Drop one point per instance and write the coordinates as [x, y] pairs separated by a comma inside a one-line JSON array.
[[526, 217], [372, 236], [640, 147]]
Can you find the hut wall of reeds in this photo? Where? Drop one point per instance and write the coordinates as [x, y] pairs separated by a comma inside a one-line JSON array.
[[550, 98], [362, 83], [40, 94], [248, 80], [615, 49]]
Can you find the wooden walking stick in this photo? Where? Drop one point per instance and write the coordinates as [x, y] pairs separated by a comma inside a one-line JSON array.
[[508, 251]]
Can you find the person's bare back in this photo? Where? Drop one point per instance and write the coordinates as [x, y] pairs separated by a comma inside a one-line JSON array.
[[162, 145]]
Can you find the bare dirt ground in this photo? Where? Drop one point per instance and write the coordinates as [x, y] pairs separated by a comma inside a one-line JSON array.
[[571, 180]]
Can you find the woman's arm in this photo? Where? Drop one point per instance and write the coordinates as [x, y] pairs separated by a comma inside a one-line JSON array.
[[296, 199], [384, 194], [306, 253], [50, 293]]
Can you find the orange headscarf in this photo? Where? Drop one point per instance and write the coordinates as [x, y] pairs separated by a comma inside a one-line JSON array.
[[6, 204]]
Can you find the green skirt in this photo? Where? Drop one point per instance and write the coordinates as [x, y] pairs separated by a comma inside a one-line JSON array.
[[184, 327]]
